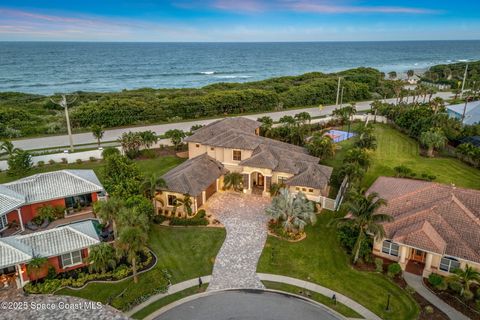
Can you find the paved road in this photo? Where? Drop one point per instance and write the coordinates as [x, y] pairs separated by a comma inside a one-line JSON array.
[[113, 134], [236, 305], [246, 223]]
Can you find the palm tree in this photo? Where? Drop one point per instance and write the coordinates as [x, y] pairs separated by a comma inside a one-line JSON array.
[[363, 216], [410, 73], [148, 138], [130, 142], [266, 125], [294, 212], [97, 132], [109, 211], [303, 118], [233, 180], [101, 257], [432, 139], [374, 107], [176, 136], [353, 171], [36, 265], [133, 217], [437, 104], [359, 156], [392, 75], [366, 138], [321, 146], [186, 202], [287, 120], [130, 242], [466, 278], [8, 147], [151, 186]]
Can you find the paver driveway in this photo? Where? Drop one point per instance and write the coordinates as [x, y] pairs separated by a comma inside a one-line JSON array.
[[246, 223]]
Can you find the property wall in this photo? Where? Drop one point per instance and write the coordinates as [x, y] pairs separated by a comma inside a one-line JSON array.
[[54, 262], [30, 211]]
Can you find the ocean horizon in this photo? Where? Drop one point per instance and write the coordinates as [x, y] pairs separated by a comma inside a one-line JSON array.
[[57, 66]]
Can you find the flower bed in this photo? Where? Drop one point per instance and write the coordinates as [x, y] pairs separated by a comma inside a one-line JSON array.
[[276, 230], [80, 277], [469, 308]]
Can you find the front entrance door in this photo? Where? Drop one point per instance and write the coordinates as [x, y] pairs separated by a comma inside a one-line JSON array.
[[418, 255], [260, 179]]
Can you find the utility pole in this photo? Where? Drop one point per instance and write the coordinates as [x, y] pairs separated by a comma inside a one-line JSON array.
[[338, 90], [341, 98], [464, 78], [464, 109], [64, 104]]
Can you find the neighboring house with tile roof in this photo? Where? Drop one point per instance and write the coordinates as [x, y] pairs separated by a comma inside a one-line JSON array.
[[69, 189], [65, 248], [235, 145], [436, 227]]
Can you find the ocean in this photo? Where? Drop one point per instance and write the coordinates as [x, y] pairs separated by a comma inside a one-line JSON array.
[[50, 67]]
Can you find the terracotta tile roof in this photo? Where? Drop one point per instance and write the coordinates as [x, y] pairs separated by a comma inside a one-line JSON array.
[[431, 216], [194, 175]]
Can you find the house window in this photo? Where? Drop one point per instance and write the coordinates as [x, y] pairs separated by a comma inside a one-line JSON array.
[[172, 200], [304, 189], [281, 180], [390, 248], [3, 222], [297, 188], [197, 145], [310, 190], [237, 155], [449, 264], [213, 149], [71, 259]]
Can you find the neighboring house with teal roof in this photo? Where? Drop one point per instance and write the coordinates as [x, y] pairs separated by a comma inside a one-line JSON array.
[[472, 112]]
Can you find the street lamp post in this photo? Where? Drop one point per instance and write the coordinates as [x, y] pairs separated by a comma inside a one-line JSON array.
[[64, 104]]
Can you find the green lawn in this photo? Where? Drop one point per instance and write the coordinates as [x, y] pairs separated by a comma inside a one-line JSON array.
[[327, 301], [395, 148], [186, 253], [320, 259], [147, 167], [167, 300]]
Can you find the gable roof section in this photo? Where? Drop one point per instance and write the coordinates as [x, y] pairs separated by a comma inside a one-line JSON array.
[[315, 176], [9, 200], [432, 216], [48, 243], [55, 185], [194, 175]]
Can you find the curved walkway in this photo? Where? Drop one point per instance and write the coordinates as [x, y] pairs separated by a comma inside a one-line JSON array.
[[364, 312], [245, 222], [416, 282]]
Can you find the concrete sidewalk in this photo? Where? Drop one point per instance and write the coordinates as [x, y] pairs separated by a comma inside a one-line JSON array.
[[416, 282], [364, 312]]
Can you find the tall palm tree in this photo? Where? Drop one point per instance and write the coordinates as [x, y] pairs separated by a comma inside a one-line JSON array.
[[321, 146], [148, 138], [151, 186], [133, 217], [466, 277], [437, 104], [266, 125], [363, 216], [8, 147], [97, 132], [101, 257], [353, 171], [233, 180], [294, 212], [109, 211], [374, 107], [432, 139], [131, 241]]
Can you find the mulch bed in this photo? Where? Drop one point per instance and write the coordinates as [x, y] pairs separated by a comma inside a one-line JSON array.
[[455, 302], [422, 302]]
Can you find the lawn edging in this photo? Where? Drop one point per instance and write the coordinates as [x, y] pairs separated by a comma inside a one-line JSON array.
[[112, 281]]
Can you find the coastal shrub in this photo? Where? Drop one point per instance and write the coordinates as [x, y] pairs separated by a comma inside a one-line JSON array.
[[428, 309], [79, 161], [51, 161], [379, 264], [40, 163], [92, 159], [159, 219], [201, 213], [110, 151], [435, 279], [394, 269], [455, 286], [468, 295], [189, 222], [64, 160]]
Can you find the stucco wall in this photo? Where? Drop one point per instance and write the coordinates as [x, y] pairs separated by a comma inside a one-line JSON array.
[[54, 262]]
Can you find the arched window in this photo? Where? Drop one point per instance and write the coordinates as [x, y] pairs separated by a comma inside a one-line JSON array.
[[449, 264], [390, 248]]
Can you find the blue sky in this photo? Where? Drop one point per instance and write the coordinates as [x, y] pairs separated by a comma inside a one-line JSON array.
[[238, 20]]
